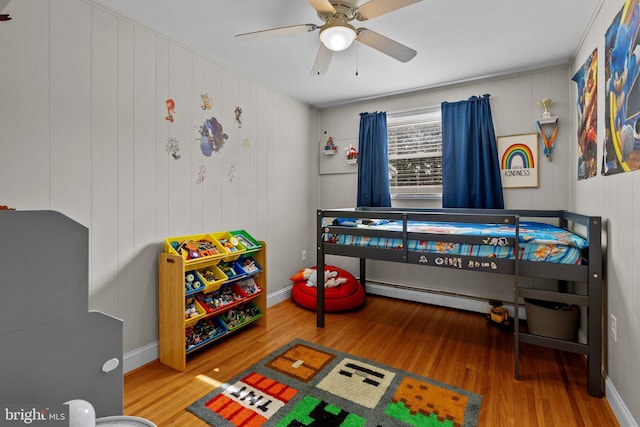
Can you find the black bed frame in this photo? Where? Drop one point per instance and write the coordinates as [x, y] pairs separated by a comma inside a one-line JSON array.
[[589, 272]]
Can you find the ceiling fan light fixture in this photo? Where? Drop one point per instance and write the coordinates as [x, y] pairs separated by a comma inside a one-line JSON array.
[[338, 37]]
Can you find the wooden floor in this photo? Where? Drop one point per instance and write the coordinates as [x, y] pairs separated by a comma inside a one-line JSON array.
[[456, 347]]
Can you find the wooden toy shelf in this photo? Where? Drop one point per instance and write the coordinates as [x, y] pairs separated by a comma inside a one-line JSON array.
[[172, 296]]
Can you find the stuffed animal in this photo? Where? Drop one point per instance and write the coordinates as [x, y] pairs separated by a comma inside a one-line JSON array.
[[312, 280], [310, 276], [302, 275], [331, 279], [334, 282]]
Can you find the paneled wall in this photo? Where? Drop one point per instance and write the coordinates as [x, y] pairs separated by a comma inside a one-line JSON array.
[[83, 132], [613, 197], [514, 105]]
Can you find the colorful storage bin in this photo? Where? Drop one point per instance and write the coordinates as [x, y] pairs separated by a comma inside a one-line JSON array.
[[212, 277], [193, 311], [249, 287], [248, 266], [239, 316], [192, 283], [231, 245], [221, 299], [195, 248], [247, 240], [231, 270], [204, 332]]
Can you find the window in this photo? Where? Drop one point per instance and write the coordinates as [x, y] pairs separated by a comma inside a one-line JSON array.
[[415, 153]]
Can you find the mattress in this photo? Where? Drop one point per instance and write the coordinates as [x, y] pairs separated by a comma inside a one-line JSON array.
[[539, 242]]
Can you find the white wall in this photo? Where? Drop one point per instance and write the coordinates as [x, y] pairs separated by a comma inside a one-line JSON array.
[[612, 197], [83, 132], [514, 105]]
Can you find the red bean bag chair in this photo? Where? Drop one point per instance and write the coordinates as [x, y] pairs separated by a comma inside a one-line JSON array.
[[346, 296]]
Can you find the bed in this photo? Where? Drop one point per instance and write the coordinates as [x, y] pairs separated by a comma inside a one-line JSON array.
[[549, 244]]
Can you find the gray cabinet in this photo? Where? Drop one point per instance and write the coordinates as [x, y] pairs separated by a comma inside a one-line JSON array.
[[53, 349]]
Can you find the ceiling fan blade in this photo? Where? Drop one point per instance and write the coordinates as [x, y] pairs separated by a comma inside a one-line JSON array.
[[375, 8], [282, 31], [385, 45], [323, 59], [322, 6]]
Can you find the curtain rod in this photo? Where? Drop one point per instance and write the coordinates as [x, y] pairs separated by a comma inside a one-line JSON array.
[[415, 110], [424, 109]]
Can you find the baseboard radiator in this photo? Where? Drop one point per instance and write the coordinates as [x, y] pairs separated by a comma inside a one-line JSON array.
[[440, 297]]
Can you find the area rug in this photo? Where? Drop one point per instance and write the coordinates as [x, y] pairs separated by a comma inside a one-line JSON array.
[[304, 384]]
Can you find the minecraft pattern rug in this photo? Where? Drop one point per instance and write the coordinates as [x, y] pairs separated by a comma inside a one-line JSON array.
[[304, 384]]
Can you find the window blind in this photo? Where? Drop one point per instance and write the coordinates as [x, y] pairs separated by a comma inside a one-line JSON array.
[[415, 152]]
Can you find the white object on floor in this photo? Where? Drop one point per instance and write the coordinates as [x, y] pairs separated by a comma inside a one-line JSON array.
[[81, 413], [123, 421]]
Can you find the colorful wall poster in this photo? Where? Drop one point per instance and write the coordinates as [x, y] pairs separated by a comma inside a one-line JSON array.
[[587, 106], [518, 156], [622, 91]]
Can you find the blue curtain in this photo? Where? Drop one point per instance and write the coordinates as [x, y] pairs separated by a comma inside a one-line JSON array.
[[470, 167], [373, 166]]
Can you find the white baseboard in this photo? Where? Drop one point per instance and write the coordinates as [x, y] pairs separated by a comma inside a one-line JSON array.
[[279, 296], [620, 410], [140, 356], [150, 352]]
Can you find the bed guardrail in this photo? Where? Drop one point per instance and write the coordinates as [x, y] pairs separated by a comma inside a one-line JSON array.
[[589, 272]]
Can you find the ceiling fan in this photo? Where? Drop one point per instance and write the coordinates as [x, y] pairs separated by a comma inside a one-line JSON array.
[[337, 33], [4, 16]]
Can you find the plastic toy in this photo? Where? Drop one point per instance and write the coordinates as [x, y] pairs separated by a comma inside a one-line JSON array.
[[190, 249], [190, 283], [352, 154], [330, 146], [498, 314]]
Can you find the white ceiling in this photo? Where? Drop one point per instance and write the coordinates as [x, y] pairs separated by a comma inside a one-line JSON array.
[[456, 40]]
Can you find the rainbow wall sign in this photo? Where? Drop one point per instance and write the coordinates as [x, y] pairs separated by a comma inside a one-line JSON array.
[[518, 156], [518, 159]]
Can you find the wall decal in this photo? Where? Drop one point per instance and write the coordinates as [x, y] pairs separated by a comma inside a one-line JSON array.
[[206, 103], [173, 147], [232, 171], [171, 110], [212, 136], [202, 173], [245, 144], [587, 106], [622, 91], [238, 113]]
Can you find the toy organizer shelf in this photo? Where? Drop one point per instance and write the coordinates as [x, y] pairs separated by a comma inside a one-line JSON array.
[[210, 286]]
